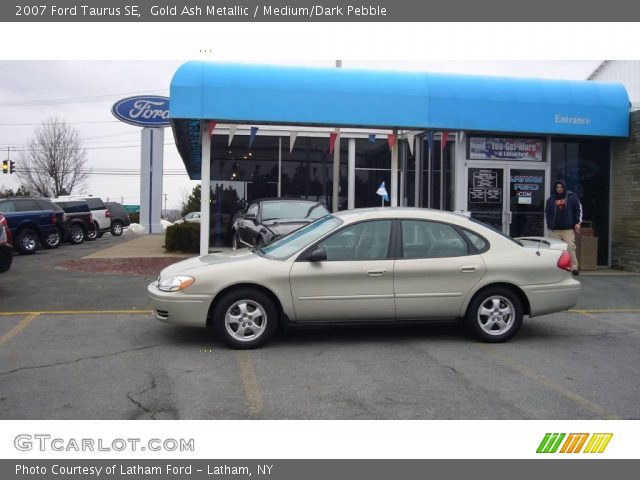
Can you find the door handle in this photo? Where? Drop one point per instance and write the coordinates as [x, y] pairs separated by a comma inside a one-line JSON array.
[[376, 273], [468, 268]]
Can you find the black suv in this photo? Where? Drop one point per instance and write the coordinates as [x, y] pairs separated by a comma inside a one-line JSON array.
[[119, 218], [80, 221], [34, 222]]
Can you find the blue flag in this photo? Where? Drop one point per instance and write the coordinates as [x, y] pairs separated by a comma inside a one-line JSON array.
[[430, 140], [254, 131], [372, 138]]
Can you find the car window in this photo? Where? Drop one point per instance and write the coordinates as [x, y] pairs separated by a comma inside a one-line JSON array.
[[293, 210], [362, 241], [95, 204], [423, 239], [252, 210], [74, 207], [7, 207], [476, 240], [26, 206], [294, 242], [48, 205]]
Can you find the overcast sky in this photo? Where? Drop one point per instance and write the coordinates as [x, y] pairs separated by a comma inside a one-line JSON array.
[[83, 92]]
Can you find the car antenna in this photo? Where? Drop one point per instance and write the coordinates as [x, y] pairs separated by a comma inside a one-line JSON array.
[[539, 245]]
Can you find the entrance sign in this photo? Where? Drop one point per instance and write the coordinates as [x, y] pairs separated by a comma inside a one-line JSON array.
[[495, 148]]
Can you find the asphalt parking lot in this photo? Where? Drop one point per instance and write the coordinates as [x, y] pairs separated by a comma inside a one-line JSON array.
[[77, 345]]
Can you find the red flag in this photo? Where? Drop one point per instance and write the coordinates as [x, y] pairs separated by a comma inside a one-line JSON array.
[[212, 125], [332, 141], [443, 142], [391, 140]]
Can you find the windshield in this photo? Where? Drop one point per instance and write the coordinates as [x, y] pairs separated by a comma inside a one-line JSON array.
[[286, 246], [293, 211]]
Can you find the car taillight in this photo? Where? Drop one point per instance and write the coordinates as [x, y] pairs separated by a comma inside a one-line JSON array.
[[564, 262], [3, 221], [107, 213]]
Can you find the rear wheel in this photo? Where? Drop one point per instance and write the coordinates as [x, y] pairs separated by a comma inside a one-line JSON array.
[[27, 242], [53, 239], [245, 318], [76, 234], [116, 229], [495, 315]]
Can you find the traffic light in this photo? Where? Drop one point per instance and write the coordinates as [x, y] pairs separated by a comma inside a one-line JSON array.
[[5, 166], [12, 166]]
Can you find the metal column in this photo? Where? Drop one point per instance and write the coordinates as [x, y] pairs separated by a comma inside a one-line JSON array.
[[351, 175], [205, 195]]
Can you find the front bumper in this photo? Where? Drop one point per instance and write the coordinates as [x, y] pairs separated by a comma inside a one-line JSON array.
[[554, 297], [178, 308]]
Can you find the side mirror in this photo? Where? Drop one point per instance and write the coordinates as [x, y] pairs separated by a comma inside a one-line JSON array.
[[250, 216], [318, 255]]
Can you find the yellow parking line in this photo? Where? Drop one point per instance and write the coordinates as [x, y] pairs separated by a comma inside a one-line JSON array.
[[609, 322], [22, 324], [566, 393], [608, 310], [251, 389], [79, 312]]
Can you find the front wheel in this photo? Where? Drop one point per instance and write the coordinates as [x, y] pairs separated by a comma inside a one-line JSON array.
[[53, 239], [76, 234], [245, 318], [91, 235], [495, 315]]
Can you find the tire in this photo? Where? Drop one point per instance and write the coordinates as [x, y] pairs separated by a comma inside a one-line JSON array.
[[76, 234], [53, 240], [235, 241], [26, 242], [230, 318], [116, 229], [487, 313], [91, 235]]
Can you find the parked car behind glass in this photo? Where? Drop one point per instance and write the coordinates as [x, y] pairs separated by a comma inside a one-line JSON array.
[[371, 266], [265, 220]]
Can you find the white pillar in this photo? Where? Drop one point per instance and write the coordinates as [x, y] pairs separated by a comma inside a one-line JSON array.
[[205, 195], [418, 175], [336, 174], [460, 174], [351, 175], [279, 166], [394, 172], [151, 160]]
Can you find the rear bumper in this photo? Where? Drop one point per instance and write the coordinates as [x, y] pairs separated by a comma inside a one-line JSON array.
[[178, 308], [554, 297], [6, 257]]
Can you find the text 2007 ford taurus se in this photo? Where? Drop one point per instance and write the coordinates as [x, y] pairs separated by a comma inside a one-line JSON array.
[[366, 266]]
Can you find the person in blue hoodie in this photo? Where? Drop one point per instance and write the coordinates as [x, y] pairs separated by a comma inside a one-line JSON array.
[[563, 213]]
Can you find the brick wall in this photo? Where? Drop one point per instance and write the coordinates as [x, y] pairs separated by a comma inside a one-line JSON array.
[[625, 199]]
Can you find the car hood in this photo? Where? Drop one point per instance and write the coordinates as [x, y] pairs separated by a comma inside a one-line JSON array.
[[191, 265]]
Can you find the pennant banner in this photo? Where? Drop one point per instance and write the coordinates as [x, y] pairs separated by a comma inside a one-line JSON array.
[[332, 141], [212, 125], [410, 138], [232, 132], [443, 141], [292, 140], [430, 141], [372, 138], [254, 132], [391, 140], [382, 191]]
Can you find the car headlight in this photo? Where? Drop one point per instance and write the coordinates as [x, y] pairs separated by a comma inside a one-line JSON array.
[[173, 284]]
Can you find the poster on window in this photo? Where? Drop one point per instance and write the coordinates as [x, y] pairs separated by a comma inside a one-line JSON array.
[[494, 148]]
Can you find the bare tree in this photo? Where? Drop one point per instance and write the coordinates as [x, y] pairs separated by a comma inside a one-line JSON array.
[[55, 162]]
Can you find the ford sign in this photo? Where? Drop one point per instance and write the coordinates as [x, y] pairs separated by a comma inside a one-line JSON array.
[[143, 111]]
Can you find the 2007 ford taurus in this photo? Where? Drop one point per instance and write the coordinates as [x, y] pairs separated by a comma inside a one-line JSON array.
[[366, 266]]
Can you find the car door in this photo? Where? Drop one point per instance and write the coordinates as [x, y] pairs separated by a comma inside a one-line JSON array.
[[354, 283], [436, 268]]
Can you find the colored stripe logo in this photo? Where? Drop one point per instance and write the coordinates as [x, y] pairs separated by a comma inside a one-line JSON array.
[[574, 443]]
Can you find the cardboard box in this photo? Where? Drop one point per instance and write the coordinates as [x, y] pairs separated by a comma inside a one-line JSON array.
[[586, 229], [587, 252]]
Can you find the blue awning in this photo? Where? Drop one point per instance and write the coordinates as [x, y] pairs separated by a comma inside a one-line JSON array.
[[334, 97]]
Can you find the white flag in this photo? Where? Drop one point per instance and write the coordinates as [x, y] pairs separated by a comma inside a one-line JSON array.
[[382, 191], [232, 132], [410, 138], [292, 140]]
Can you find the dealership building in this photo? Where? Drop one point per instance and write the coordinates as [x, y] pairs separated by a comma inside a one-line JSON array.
[[490, 147]]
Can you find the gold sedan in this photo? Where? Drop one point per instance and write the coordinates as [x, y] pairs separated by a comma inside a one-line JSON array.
[[369, 266]]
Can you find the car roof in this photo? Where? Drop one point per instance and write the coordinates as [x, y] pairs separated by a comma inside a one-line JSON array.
[[283, 199], [402, 212]]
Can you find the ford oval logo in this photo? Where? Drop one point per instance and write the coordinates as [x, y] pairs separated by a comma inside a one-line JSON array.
[[143, 111]]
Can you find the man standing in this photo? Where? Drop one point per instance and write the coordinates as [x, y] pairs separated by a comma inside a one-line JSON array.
[[563, 213]]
